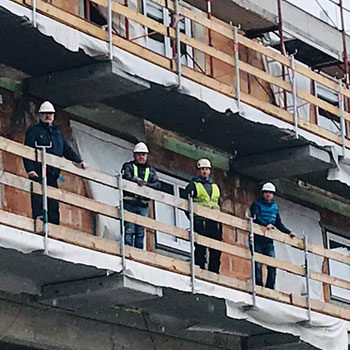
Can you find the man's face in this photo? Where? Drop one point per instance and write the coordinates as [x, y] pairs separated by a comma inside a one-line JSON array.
[[268, 196], [47, 118], [204, 172], [141, 158]]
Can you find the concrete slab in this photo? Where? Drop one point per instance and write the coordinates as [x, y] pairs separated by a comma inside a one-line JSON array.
[[284, 163], [85, 84]]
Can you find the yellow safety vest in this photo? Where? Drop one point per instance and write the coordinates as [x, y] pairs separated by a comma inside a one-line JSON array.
[[203, 196], [136, 173]]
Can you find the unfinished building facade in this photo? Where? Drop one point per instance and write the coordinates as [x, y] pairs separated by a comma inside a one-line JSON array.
[[250, 87]]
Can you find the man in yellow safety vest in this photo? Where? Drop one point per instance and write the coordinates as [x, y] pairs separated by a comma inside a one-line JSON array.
[[140, 172], [205, 192]]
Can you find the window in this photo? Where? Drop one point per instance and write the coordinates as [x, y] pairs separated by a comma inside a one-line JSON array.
[[337, 269], [170, 215], [161, 44], [325, 119]]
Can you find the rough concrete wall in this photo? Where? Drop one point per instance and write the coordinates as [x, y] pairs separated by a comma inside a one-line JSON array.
[[18, 201], [49, 329]]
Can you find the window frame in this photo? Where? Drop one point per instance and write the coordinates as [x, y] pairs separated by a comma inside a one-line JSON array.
[[177, 183], [167, 50], [331, 235]]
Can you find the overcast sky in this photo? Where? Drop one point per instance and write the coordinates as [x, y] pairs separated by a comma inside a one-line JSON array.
[[313, 6]]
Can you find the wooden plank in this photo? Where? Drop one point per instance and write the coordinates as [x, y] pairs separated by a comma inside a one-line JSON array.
[[153, 259], [24, 151], [58, 162]]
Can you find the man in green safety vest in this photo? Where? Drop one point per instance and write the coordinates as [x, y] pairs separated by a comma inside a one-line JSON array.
[[140, 172], [205, 192]]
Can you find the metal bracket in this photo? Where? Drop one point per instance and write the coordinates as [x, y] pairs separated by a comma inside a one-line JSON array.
[[252, 255], [121, 219], [237, 73], [178, 45], [191, 233], [294, 95], [34, 14], [110, 29], [307, 276], [44, 194], [341, 116]]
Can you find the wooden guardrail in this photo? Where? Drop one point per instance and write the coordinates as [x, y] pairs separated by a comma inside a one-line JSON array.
[[73, 199], [225, 30]]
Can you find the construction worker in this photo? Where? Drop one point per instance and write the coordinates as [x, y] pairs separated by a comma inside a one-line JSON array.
[[266, 213], [205, 192], [46, 133], [140, 172]]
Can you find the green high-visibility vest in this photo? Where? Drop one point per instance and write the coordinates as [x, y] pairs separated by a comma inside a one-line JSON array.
[[203, 196], [136, 173], [145, 178]]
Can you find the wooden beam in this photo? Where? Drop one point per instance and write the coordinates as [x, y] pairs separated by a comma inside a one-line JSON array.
[[70, 236], [227, 219]]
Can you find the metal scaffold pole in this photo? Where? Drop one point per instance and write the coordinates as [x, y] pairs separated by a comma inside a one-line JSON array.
[[121, 220], [110, 32], [191, 232], [341, 116], [211, 61], [252, 256], [345, 51], [294, 96], [237, 73], [34, 14], [307, 276], [178, 45], [44, 194]]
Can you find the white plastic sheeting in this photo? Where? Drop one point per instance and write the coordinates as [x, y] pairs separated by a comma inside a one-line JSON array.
[[326, 332], [299, 219], [107, 154]]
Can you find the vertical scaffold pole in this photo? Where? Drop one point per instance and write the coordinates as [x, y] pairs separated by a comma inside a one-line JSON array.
[[127, 35], [121, 220], [34, 14], [211, 61], [44, 195], [236, 57], [110, 32], [178, 45], [294, 96], [307, 276], [193, 272], [341, 116], [252, 260]]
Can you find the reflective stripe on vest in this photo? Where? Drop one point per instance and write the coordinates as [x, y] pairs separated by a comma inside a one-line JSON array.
[[203, 196], [136, 173]]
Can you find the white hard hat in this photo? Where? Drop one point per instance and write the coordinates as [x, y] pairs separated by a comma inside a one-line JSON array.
[[141, 148], [203, 163], [47, 107], [268, 187]]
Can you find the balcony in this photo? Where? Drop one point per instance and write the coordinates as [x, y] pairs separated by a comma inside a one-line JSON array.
[[74, 270]]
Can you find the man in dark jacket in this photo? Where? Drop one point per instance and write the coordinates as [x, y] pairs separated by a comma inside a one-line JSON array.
[[140, 172], [205, 192], [46, 133], [267, 214]]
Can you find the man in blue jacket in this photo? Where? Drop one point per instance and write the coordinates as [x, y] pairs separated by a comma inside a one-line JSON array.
[[267, 214], [46, 133]]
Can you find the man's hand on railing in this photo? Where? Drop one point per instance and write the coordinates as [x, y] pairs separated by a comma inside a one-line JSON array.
[[32, 174], [81, 165], [84, 165], [292, 235], [270, 227], [140, 182]]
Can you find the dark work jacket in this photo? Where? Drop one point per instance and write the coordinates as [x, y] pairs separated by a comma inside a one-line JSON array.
[[267, 213], [43, 134], [192, 191], [128, 174]]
